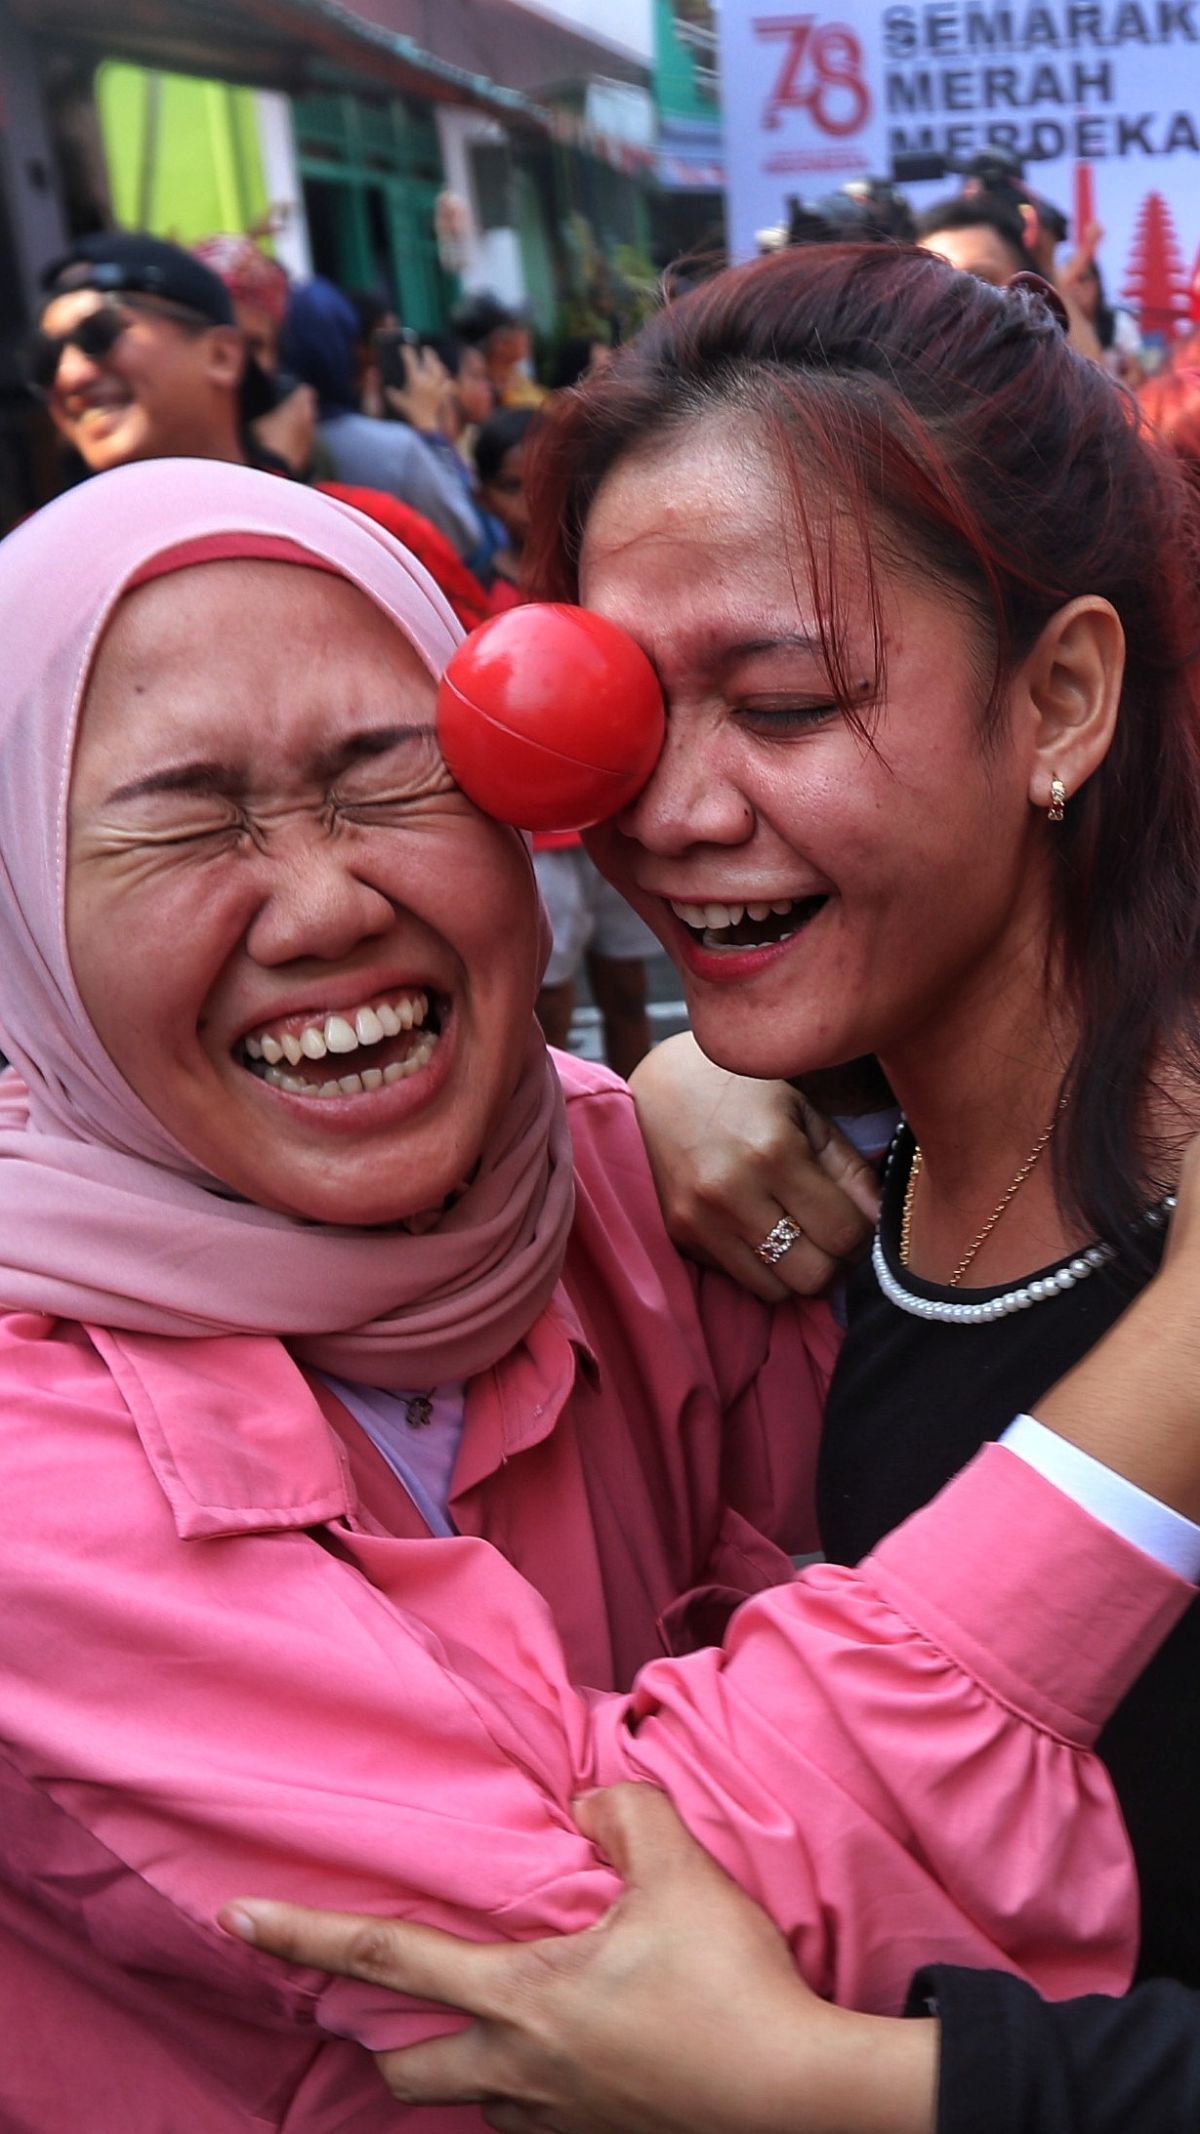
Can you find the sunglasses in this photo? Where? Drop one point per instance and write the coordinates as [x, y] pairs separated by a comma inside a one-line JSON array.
[[97, 335]]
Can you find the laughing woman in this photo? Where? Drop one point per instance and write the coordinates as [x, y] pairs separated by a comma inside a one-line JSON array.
[[303, 1311], [923, 595]]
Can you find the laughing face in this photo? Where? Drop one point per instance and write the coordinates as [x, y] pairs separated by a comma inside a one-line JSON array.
[[306, 952], [823, 898], [152, 394]]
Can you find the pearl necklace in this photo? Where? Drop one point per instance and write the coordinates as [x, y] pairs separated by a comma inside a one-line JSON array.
[[1052, 1284]]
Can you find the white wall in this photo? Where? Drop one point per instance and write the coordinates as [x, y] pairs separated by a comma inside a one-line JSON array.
[[281, 174], [622, 112], [493, 257], [624, 22]]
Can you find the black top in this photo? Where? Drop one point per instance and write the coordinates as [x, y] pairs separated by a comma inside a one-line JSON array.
[[911, 1401], [1011, 2063]]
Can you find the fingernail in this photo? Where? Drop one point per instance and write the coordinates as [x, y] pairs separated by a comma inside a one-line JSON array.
[[236, 1920]]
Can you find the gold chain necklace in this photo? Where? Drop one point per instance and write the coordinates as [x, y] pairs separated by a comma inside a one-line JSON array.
[[910, 1194]]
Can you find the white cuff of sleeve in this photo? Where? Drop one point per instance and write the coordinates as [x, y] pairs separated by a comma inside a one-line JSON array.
[[1119, 1505]]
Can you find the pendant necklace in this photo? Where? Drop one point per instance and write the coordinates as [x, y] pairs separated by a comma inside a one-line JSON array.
[[1066, 1275], [1005, 1201]]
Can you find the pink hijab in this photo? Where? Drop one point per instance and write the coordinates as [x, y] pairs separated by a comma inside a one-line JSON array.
[[106, 1218]]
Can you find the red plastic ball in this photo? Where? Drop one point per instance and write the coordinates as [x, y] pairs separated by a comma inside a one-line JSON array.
[[550, 717]]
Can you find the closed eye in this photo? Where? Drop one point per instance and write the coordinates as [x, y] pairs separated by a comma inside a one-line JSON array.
[[380, 807], [390, 802], [779, 721], [182, 834]]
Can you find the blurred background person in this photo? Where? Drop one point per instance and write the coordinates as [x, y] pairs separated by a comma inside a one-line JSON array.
[[503, 339], [995, 235], [417, 387], [320, 344], [139, 356], [1171, 401], [258, 290], [1116, 328], [469, 397], [500, 489], [977, 234], [579, 358]]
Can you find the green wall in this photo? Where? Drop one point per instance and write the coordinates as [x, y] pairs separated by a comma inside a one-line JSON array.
[[675, 89], [183, 154]]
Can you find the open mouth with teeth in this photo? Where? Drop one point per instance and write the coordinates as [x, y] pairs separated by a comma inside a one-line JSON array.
[[350, 1053], [748, 926]]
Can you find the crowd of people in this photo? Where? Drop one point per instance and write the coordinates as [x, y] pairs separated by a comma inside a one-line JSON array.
[[384, 1477]]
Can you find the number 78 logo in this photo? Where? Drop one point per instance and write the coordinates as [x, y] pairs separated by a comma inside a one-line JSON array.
[[820, 72]]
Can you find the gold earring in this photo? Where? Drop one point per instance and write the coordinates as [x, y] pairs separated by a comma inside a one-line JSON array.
[[1058, 800]]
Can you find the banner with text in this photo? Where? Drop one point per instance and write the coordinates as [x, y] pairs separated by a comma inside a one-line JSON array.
[[1101, 99]]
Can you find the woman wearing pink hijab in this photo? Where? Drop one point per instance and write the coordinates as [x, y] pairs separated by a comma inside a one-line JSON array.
[[311, 1322]]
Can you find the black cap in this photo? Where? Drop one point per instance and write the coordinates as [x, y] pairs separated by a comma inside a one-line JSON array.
[[128, 261]]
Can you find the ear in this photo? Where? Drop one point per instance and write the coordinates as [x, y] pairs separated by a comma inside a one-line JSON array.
[[1071, 682], [225, 357]]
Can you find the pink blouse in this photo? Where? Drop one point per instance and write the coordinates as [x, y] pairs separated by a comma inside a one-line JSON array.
[[232, 1662]]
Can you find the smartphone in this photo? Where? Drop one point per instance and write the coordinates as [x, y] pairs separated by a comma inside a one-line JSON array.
[[389, 354]]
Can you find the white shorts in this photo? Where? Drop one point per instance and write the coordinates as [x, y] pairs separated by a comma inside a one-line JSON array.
[[586, 912]]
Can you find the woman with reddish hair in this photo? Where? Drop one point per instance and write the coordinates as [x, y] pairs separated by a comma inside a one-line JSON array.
[[925, 605]]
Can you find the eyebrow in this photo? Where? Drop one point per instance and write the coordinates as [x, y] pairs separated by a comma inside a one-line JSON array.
[[783, 641], [210, 777]]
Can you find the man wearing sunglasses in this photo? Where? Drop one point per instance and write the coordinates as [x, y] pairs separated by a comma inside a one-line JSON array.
[[137, 355]]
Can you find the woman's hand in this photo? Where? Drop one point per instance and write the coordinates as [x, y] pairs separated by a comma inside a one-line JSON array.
[[731, 1157], [680, 2013], [421, 400]]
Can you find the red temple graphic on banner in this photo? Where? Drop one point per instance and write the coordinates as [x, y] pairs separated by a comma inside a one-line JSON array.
[[1157, 285]]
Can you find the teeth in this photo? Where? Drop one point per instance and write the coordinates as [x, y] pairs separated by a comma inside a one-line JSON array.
[[340, 1033], [340, 1036], [714, 918], [356, 1085], [290, 1082]]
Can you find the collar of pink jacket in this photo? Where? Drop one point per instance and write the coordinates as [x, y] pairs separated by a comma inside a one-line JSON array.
[[238, 1443]]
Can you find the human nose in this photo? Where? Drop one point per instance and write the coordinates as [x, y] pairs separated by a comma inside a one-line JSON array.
[[692, 796], [314, 902], [73, 370]]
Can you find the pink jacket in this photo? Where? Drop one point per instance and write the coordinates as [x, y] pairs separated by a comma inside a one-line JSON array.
[[222, 1671]]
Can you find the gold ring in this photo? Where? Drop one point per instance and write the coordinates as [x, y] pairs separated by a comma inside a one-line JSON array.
[[778, 1241]]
